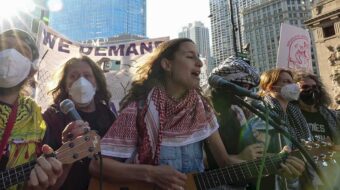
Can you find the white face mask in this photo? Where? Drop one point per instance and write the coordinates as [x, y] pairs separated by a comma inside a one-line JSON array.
[[14, 68], [290, 92], [82, 91]]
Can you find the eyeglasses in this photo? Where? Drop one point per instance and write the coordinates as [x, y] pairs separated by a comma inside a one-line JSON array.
[[305, 87]]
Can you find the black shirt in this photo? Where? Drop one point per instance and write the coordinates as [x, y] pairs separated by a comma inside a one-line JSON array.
[[317, 125]]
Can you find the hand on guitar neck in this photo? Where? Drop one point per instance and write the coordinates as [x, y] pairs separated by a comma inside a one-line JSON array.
[[45, 172], [233, 174], [46, 169], [292, 167]]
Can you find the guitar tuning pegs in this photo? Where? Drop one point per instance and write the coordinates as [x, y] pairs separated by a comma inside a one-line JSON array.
[[316, 145], [324, 163], [308, 147], [323, 157], [86, 138], [323, 143], [333, 161], [71, 145], [75, 156]]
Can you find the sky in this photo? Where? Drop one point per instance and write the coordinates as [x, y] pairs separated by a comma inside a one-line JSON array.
[[167, 17]]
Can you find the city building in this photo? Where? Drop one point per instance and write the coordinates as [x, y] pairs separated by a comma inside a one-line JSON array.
[[83, 20], [222, 29], [325, 26], [262, 24], [200, 35]]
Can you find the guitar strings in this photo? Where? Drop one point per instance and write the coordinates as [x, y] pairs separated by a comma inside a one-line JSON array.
[[19, 176], [214, 176], [26, 168]]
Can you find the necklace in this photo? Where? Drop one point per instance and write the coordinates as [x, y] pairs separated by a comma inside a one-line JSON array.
[[177, 99]]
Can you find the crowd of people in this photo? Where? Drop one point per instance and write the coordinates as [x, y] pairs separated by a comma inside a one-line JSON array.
[[167, 129]]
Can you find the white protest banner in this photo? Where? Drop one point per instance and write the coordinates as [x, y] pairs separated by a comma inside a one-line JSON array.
[[55, 50], [294, 50]]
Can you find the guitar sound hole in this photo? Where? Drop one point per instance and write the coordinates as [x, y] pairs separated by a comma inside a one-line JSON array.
[[91, 149]]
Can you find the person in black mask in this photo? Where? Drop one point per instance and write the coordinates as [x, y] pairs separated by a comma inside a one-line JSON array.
[[323, 122], [313, 102]]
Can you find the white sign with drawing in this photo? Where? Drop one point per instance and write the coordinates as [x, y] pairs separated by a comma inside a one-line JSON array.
[[294, 50]]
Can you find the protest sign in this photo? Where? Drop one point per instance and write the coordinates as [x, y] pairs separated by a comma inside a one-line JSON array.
[[55, 50], [294, 50]]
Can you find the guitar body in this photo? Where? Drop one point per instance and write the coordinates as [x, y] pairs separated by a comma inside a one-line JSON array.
[[94, 185], [232, 174]]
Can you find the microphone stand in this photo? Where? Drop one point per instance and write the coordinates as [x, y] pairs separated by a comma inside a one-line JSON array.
[[281, 130]]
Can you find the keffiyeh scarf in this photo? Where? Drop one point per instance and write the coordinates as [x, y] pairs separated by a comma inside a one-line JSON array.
[[236, 70], [142, 128], [293, 117]]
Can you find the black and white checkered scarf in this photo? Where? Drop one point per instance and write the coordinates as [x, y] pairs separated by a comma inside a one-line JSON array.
[[235, 69], [296, 123]]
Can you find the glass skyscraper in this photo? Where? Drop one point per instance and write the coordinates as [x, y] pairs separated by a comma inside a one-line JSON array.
[[82, 20]]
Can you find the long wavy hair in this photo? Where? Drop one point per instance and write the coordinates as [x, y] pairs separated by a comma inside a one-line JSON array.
[[151, 73], [324, 98], [270, 77], [102, 95]]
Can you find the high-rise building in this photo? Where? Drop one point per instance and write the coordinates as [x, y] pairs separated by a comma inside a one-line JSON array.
[[262, 24], [325, 26], [200, 35], [82, 20], [222, 30]]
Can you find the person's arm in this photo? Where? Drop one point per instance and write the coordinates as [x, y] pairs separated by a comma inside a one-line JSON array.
[[164, 177], [219, 152]]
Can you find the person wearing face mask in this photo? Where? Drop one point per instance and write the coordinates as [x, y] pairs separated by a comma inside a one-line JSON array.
[[280, 94], [314, 102], [233, 119], [323, 122], [21, 125], [83, 82]]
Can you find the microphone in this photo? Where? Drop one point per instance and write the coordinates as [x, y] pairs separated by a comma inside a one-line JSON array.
[[219, 82], [68, 108]]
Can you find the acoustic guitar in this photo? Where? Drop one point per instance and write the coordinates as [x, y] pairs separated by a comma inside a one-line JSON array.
[[69, 152], [232, 174]]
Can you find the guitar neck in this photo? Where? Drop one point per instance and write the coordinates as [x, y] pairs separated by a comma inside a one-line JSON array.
[[238, 173], [68, 153], [16, 175]]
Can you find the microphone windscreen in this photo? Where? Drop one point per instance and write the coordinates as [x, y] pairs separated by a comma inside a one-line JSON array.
[[66, 105]]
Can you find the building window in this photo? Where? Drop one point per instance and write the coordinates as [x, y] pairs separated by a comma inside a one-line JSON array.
[[328, 31]]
